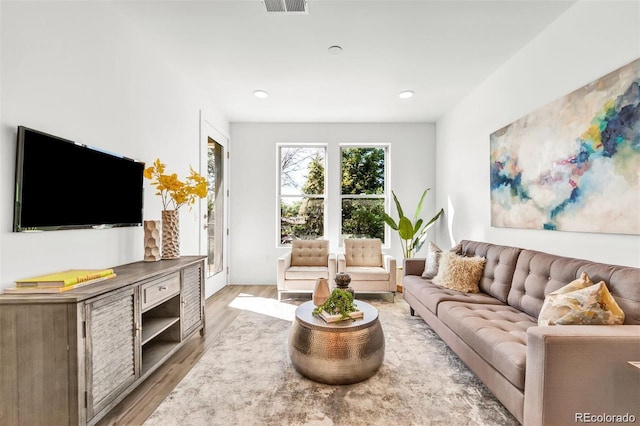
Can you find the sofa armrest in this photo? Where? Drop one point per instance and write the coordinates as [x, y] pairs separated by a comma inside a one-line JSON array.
[[389, 263], [284, 263], [576, 371], [414, 266]]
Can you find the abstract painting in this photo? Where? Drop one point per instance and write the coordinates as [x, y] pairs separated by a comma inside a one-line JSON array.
[[574, 164]]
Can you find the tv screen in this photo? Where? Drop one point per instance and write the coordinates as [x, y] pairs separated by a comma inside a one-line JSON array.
[[64, 185]]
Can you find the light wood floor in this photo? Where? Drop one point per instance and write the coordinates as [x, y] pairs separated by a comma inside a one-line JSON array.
[[143, 401]]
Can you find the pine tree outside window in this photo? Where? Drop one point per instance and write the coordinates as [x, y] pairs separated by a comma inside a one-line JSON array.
[[363, 191]]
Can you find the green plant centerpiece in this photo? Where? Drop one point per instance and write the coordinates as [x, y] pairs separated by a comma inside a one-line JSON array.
[[339, 303], [412, 233]]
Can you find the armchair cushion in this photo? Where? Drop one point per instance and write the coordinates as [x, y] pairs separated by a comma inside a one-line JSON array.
[[306, 272], [363, 252], [310, 253], [367, 273]]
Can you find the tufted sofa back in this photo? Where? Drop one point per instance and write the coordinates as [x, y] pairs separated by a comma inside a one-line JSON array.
[[363, 252], [538, 274], [310, 253], [498, 269]]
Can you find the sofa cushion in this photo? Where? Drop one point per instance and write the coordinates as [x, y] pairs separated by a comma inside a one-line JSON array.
[[459, 272], [363, 252], [310, 253], [498, 333], [581, 302], [432, 261], [498, 269], [538, 274], [432, 295]]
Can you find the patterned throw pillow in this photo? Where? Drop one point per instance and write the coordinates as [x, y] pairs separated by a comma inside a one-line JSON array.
[[581, 302], [459, 273], [432, 261]]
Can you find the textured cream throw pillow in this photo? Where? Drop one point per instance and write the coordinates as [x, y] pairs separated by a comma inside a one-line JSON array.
[[581, 302], [459, 273]]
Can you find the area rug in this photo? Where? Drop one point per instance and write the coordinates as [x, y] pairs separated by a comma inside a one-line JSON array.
[[246, 378]]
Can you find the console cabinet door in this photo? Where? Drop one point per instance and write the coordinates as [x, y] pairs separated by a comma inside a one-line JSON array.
[[112, 354], [192, 298]]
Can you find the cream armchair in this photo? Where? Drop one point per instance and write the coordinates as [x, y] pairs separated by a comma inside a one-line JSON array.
[[307, 261], [371, 270]]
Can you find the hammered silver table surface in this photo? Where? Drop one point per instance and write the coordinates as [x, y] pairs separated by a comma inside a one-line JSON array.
[[339, 353]]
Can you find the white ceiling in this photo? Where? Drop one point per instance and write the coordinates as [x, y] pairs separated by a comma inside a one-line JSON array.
[[439, 49]]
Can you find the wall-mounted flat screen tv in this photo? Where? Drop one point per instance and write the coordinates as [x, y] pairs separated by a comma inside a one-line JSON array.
[[61, 184]]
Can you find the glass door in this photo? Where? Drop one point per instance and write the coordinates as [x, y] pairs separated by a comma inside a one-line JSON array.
[[214, 213], [215, 208]]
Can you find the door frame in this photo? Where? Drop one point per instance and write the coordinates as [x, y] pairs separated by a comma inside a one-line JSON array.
[[208, 131]]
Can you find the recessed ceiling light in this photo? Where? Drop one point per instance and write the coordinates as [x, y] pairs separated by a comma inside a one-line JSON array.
[[261, 94], [406, 94], [335, 50]]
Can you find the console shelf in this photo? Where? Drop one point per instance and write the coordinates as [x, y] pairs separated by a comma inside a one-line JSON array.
[[154, 326], [70, 357], [155, 352]]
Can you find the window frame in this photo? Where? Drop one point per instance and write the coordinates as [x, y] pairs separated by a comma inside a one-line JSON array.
[[385, 196], [280, 196]]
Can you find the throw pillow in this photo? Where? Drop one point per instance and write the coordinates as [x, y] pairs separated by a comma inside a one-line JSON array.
[[432, 261], [459, 273], [457, 249], [581, 302]]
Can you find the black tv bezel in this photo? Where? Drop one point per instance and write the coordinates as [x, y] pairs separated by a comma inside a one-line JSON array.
[[17, 209]]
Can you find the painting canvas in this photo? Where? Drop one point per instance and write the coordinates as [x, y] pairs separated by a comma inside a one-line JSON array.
[[574, 164]]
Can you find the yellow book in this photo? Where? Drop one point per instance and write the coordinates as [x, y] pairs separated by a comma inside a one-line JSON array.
[[54, 289], [65, 278]]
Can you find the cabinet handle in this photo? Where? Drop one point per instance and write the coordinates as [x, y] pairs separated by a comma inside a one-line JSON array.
[[163, 287]]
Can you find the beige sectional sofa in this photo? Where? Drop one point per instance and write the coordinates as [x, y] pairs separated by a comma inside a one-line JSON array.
[[551, 375]]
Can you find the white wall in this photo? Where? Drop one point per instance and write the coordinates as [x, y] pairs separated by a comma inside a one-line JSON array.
[[590, 40], [79, 71], [253, 250]]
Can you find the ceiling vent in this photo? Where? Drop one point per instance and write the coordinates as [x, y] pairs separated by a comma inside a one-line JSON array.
[[286, 6]]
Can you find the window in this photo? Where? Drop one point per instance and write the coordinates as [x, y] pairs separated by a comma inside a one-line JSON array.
[[301, 192], [363, 191]]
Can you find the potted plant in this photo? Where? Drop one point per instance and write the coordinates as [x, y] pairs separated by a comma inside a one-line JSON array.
[[339, 303], [412, 233], [175, 193]]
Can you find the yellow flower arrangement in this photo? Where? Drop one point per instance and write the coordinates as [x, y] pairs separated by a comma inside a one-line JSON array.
[[174, 192]]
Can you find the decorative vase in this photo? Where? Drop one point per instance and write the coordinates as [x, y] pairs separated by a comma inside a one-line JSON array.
[[321, 291], [151, 240], [342, 280], [170, 234]]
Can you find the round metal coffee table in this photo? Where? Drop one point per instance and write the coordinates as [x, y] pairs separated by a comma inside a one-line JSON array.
[[337, 353]]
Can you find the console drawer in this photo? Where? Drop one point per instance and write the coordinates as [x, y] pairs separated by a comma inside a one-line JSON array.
[[159, 290]]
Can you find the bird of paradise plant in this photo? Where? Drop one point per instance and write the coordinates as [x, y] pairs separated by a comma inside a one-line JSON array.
[[176, 193], [412, 235]]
